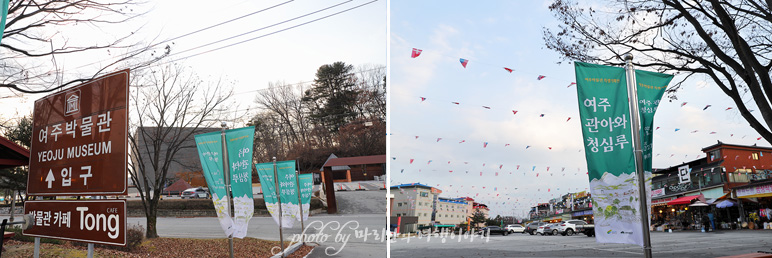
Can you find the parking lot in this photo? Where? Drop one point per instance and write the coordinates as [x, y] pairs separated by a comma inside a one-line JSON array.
[[676, 244]]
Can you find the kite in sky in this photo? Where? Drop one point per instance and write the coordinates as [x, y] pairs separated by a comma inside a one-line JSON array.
[[514, 112], [455, 103], [728, 108], [485, 144], [573, 83], [569, 119], [508, 70], [416, 53], [464, 62], [486, 107], [683, 104], [540, 77], [438, 139], [422, 99], [706, 107], [542, 115]]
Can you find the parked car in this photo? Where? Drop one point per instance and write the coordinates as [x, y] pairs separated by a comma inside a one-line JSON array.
[[490, 230], [568, 227], [531, 227], [547, 229], [194, 193], [515, 228], [587, 229]]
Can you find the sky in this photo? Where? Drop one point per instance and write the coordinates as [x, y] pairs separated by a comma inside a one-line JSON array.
[[528, 158], [357, 37]]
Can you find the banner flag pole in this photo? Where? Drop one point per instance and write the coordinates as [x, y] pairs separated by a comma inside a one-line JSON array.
[[300, 202], [278, 198], [226, 174], [632, 93]]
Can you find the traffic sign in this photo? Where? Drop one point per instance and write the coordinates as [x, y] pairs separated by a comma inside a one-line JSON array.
[[79, 139], [97, 221]]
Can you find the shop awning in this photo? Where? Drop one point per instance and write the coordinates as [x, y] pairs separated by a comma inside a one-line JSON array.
[[683, 200]]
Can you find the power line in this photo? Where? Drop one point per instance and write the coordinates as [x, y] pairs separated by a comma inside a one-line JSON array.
[[194, 32], [256, 30], [272, 33]]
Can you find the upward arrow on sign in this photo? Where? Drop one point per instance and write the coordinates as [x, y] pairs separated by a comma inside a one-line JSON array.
[[50, 178]]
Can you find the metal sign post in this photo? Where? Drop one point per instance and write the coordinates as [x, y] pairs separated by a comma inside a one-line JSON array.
[[632, 93], [300, 202], [227, 176], [278, 198]]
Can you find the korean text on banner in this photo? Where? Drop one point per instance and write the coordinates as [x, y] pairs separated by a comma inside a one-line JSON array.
[[606, 130], [288, 190], [209, 147], [239, 144], [267, 183], [650, 87], [605, 116], [306, 190]]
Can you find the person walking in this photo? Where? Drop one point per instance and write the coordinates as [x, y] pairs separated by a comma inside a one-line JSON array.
[[705, 223]]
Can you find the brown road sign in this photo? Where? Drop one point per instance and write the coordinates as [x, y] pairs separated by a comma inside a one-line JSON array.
[[79, 139], [97, 221]]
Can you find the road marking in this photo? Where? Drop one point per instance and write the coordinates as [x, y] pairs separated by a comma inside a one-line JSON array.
[[599, 249]]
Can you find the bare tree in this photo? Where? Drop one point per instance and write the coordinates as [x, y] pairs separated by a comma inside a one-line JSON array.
[[729, 42], [37, 33], [371, 80], [169, 105]]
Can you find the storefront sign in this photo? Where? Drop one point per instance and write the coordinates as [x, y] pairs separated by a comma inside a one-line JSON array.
[[98, 221], [657, 192], [755, 191], [683, 175], [79, 139], [582, 213], [663, 200]]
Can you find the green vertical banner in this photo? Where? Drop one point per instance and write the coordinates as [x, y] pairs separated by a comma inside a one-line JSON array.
[[306, 190], [267, 183], [650, 86], [607, 133], [239, 144], [4, 9], [288, 190], [209, 147]]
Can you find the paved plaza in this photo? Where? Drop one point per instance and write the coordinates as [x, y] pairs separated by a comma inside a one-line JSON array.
[[676, 244]]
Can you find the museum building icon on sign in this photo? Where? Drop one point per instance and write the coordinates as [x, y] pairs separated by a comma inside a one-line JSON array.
[[72, 103]]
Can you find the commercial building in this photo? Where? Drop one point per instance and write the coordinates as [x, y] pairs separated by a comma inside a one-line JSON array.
[[414, 200], [725, 173], [424, 203]]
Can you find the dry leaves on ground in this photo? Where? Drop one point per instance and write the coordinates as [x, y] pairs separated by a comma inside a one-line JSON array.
[[158, 247]]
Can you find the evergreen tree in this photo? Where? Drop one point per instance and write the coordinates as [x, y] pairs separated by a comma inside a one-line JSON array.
[[333, 97]]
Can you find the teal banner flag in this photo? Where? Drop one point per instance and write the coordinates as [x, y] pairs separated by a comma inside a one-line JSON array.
[[209, 147], [287, 191], [607, 133], [267, 183], [306, 190], [239, 147], [4, 8], [239, 144]]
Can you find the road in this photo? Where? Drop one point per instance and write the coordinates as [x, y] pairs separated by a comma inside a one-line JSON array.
[[677, 244]]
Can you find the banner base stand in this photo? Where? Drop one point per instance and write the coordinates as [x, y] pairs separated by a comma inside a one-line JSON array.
[[294, 247]]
